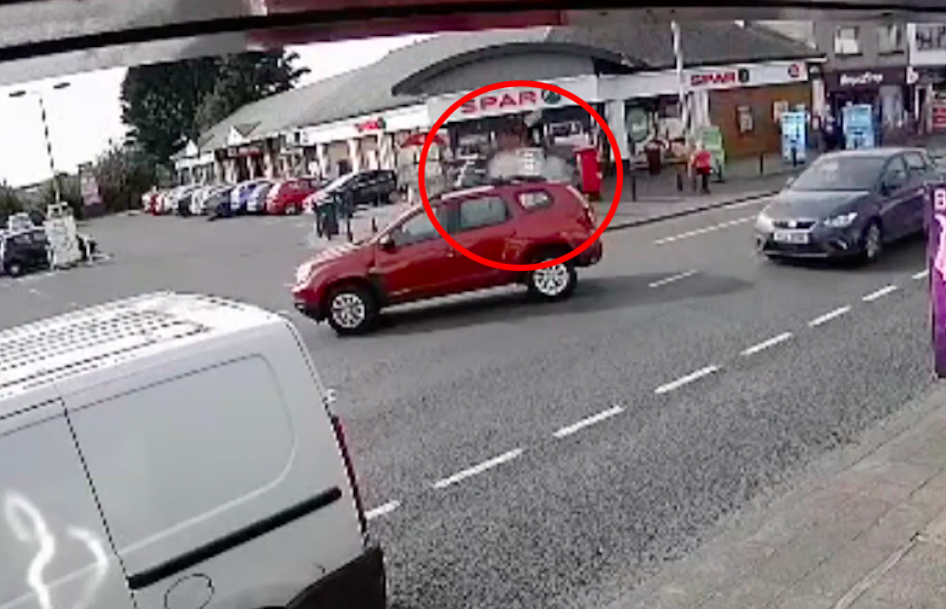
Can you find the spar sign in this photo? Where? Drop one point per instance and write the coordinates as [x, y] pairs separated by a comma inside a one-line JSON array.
[[936, 252], [513, 100]]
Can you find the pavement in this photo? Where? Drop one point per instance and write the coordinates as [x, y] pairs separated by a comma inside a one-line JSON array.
[[585, 454]]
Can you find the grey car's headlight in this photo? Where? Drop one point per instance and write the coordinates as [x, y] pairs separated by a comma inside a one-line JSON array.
[[841, 221], [764, 223]]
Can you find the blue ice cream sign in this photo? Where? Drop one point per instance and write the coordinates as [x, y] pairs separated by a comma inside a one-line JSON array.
[[794, 136]]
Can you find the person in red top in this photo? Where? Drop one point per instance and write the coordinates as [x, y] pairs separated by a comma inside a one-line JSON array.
[[701, 163]]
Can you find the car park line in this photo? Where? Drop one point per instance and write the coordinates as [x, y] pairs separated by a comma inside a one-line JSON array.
[[879, 293], [685, 380], [704, 230], [672, 279], [478, 469], [382, 510], [921, 275], [564, 432], [771, 342], [814, 323]]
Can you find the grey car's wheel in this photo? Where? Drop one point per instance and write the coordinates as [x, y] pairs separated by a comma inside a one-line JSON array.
[[552, 283], [872, 242], [351, 309]]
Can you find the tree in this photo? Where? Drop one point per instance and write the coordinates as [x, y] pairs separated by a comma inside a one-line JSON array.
[[167, 104], [10, 202]]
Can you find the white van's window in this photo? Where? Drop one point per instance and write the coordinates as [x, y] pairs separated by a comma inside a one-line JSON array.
[[172, 452], [49, 523]]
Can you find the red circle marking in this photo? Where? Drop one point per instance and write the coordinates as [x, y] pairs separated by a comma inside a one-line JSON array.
[[431, 136]]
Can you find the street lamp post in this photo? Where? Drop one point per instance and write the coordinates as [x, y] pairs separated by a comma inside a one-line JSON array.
[[49, 145]]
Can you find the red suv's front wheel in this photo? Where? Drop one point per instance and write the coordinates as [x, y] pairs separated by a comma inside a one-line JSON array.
[[351, 309]]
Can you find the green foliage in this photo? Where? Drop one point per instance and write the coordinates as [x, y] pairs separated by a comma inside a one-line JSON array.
[[124, 174], [167, 104], [9, 202]]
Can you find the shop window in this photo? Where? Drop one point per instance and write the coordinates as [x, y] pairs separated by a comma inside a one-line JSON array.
[[847, 40], [889, 39]]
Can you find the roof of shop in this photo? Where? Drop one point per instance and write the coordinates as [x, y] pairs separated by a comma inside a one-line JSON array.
[[371, 88]]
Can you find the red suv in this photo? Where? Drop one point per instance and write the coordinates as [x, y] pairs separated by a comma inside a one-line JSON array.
[[286, 197], [517, 222]]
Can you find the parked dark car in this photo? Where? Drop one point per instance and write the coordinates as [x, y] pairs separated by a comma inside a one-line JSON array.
[[26, 251], [373, 187], [848, 204]]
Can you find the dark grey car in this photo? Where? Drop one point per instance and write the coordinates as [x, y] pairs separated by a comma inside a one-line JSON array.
[[849, 203]]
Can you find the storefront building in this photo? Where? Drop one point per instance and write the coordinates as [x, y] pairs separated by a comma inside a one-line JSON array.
[[403, 95], [927, 56]]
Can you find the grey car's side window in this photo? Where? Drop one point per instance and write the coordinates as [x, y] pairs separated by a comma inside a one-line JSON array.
[[916, 163], [895, 173]]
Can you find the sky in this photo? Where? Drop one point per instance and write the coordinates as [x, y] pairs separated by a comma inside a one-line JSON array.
[[85, 117]]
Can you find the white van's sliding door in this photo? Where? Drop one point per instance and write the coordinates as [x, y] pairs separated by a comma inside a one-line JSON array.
[[54, 551]]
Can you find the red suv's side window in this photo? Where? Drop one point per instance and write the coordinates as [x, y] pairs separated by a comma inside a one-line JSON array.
[[535, 199], [479, 213]]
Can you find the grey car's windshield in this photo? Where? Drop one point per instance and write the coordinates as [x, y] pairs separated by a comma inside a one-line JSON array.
[[837, 173]]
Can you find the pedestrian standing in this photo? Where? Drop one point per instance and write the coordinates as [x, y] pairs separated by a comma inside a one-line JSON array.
[[702, 164]]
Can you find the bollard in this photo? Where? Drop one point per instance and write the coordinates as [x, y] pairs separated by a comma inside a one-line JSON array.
[[374, 226], [351, 237], [761, 163], [633, 187], [679, 182], [794, 157]]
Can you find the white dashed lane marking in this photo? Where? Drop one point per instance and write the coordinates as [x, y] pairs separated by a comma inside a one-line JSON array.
[[382, 510], [478, 469], [596, 418], [814, 323], [684, 380], [781, 338], [879, 293], [704, 230], [749, 203], [672, 279], [921, 275]]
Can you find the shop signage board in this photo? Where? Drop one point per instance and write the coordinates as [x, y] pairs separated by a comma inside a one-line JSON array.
[[794, 136], [867, 78], [719, 78], [938, 110], [858, 125], [514, 100], [88, 185], [936, 263], [61, 234]]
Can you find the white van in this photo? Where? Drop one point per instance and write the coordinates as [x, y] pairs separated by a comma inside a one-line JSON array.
[[175, 452]]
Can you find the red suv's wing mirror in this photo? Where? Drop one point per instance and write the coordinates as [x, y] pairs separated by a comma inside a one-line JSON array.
[[386, 242]]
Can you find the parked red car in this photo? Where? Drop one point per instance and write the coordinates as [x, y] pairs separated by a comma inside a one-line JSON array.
[[286, 196], [518, 222]]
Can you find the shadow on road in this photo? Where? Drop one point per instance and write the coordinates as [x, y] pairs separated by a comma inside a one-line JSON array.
[[906, 255], [512, 304]]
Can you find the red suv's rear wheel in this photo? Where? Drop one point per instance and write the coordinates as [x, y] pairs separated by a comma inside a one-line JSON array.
[[552, 283], [351, 309]]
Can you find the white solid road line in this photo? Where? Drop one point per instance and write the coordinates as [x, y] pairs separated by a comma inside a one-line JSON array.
[[879, 293], [814, 323], [748, 203], [478, 469], [701, 231], [597, 418], [683, 380], [781, 338], [382, 510], [921, 274], [671, 279]]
